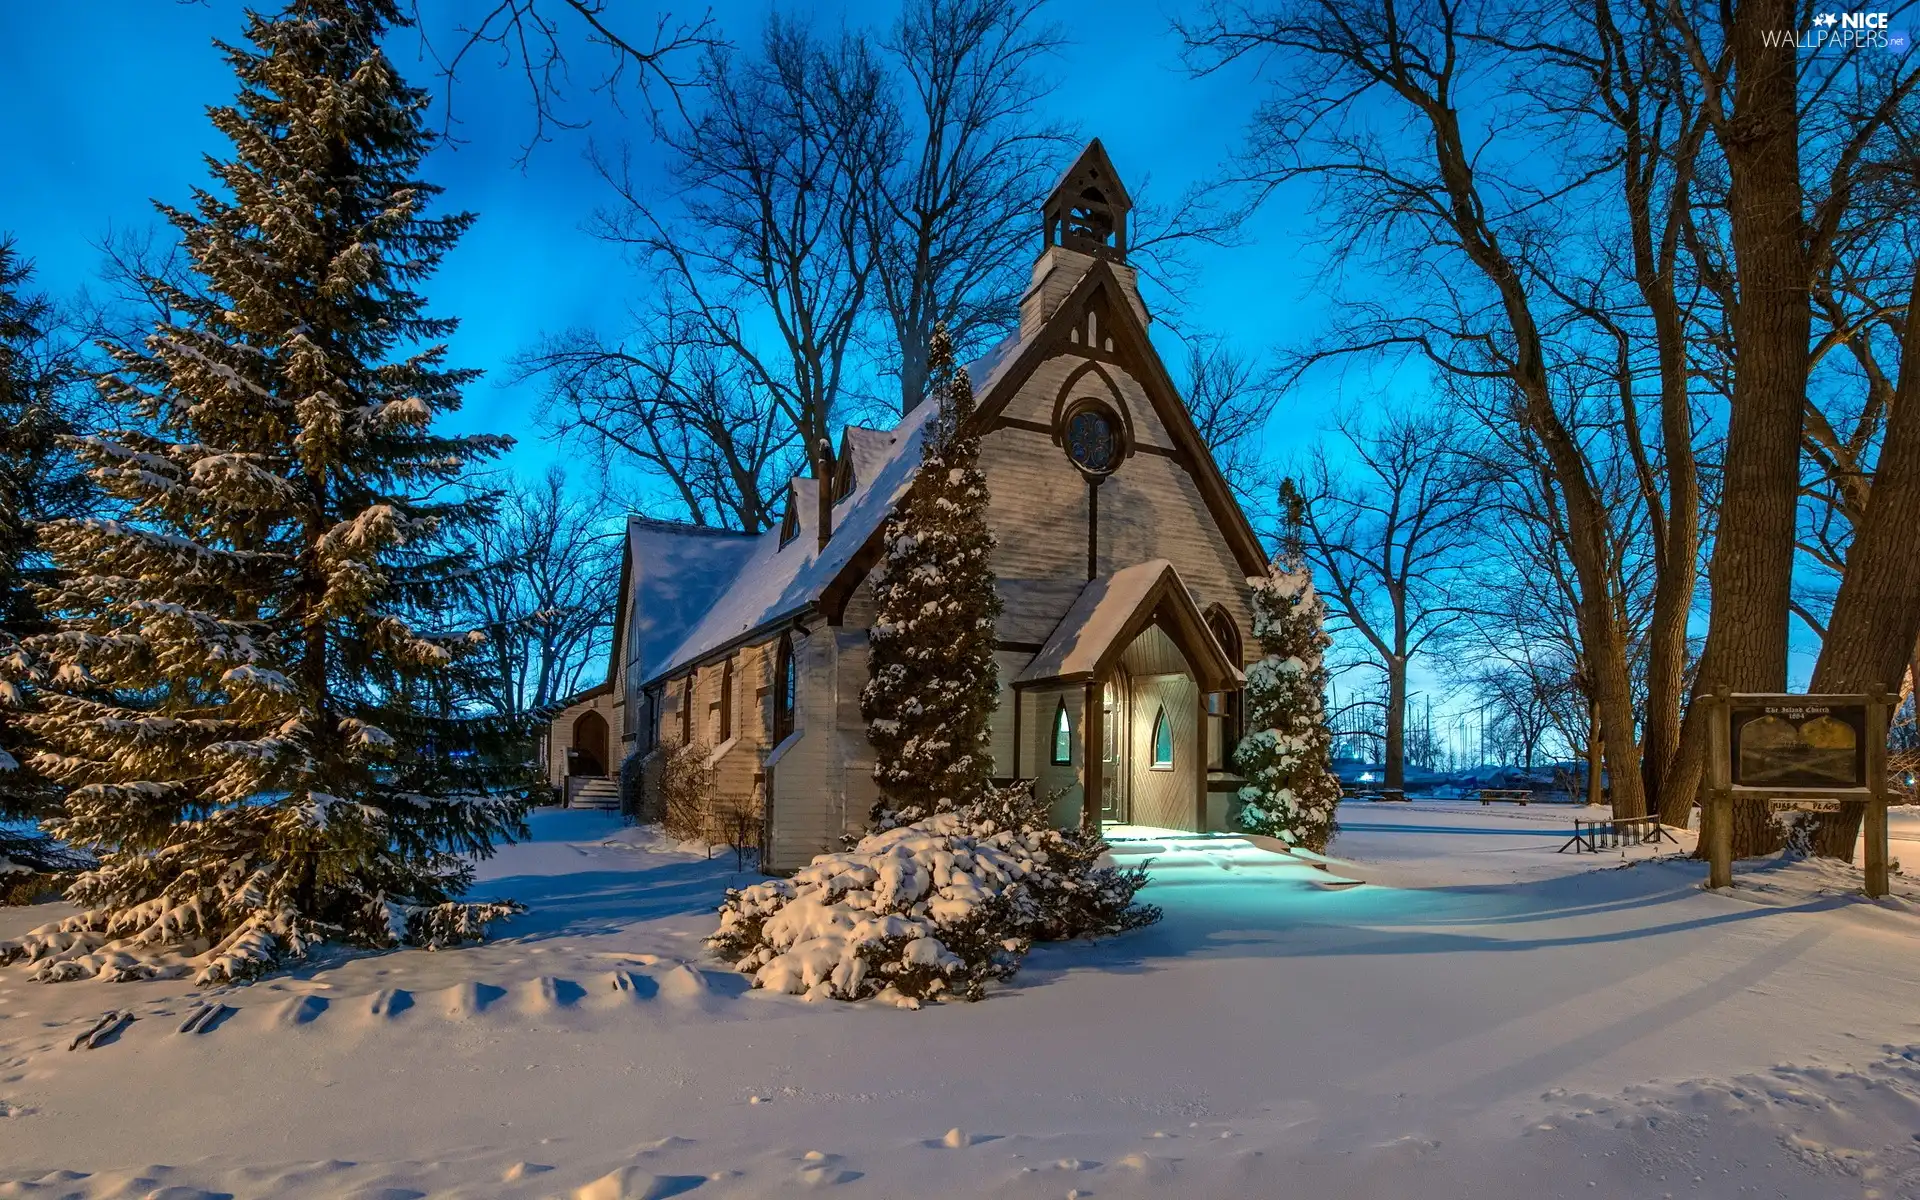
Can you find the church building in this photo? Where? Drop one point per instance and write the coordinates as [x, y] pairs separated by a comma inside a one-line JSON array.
[[1122, 562]]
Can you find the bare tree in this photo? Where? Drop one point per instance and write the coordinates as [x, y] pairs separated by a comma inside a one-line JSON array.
[[763, 247], [1229, 397], [1471, 242], [542, 590], [542, 40], [952, 212], [1387, 534], [689, 418], [830, 200]]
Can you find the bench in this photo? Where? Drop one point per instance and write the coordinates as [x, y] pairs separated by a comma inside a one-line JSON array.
[[1505, 795], [1591, 837]]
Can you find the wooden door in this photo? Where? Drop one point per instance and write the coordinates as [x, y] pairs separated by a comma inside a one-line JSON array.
[[589, 745]]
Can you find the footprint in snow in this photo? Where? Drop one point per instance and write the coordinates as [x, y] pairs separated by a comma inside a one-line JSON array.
[[470, 999], [521, 1170], [819, 1169], [390, 1003], [636, 1183], [548, 994], [300, 1010]]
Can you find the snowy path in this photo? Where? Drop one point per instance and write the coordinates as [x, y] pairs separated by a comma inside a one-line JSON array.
[[1484, 1018]]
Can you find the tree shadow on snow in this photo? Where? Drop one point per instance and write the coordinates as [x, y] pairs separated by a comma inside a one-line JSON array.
[[590, 902]]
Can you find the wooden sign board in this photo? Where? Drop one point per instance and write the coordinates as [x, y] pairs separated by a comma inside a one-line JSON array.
[[1796, 743], [1771, 747]]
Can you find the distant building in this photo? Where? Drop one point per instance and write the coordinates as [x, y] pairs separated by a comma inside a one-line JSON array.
[[1123, 562]]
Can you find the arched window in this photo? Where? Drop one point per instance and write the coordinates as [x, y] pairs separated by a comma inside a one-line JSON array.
[[786, 686], [726, 701], [686, 707], [1062, 736], [1162, 741], [1223, 708]]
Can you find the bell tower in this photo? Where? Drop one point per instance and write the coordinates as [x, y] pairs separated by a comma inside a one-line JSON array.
[[1087, 211]]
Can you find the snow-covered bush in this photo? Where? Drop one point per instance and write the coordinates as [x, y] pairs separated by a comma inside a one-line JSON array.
[[938, 907]]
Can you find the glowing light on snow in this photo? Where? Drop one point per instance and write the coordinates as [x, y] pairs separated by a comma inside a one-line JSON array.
[[1366, 777]]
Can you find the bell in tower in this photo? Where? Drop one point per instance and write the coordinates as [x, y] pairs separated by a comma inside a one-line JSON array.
[[1088, 208]]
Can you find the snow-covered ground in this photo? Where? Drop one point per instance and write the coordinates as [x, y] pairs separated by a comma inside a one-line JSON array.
[[1481, 1017]]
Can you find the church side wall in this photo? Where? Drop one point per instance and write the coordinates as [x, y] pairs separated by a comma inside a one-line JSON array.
[[809, 801], [1059, 783]]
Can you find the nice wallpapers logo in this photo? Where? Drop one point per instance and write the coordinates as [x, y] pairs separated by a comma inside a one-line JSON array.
[[1843, 31]]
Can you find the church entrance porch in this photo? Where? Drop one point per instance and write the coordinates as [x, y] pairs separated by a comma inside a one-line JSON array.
[[1124, 681]]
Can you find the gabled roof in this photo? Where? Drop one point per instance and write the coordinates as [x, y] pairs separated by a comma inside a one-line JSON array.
[[1014, 363], [1111, 611], [675, 572], [757, 580]]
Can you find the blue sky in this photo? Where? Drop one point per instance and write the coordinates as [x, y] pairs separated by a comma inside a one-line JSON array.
[[120, 88], [108, 100]]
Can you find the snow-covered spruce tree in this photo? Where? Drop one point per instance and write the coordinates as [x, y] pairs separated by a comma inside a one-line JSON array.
[[38, 480], [1290, 790], [263, 736], [932, 684]]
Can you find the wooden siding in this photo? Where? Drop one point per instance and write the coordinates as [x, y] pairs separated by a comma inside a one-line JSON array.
[[809, 799], [1037, 507], [1061, 783], [559, 734]]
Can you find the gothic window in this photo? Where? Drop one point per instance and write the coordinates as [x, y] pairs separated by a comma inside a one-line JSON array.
[[686, 708], [785, 686], [1162, 741], [726, 701], [1223, 708], [1093, 440], [1062, 736]]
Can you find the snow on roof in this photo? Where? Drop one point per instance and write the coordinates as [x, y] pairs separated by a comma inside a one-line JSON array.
[[866, 449], [985, 372], [1098, 616], [768, 581], [697, 589], [678, 572]]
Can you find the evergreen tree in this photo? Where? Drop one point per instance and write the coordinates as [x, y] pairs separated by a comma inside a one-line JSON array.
[[1291, 791], [262, 733], [933, 684], [38, 481]]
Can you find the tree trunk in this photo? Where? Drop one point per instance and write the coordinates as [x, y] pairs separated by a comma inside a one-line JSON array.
[[1595, 792], [1752, 570], [1876, 616], [1675, 562], [1396, 721], [1602, 640]]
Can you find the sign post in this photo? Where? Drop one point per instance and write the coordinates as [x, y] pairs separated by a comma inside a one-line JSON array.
[[1771, 747]]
